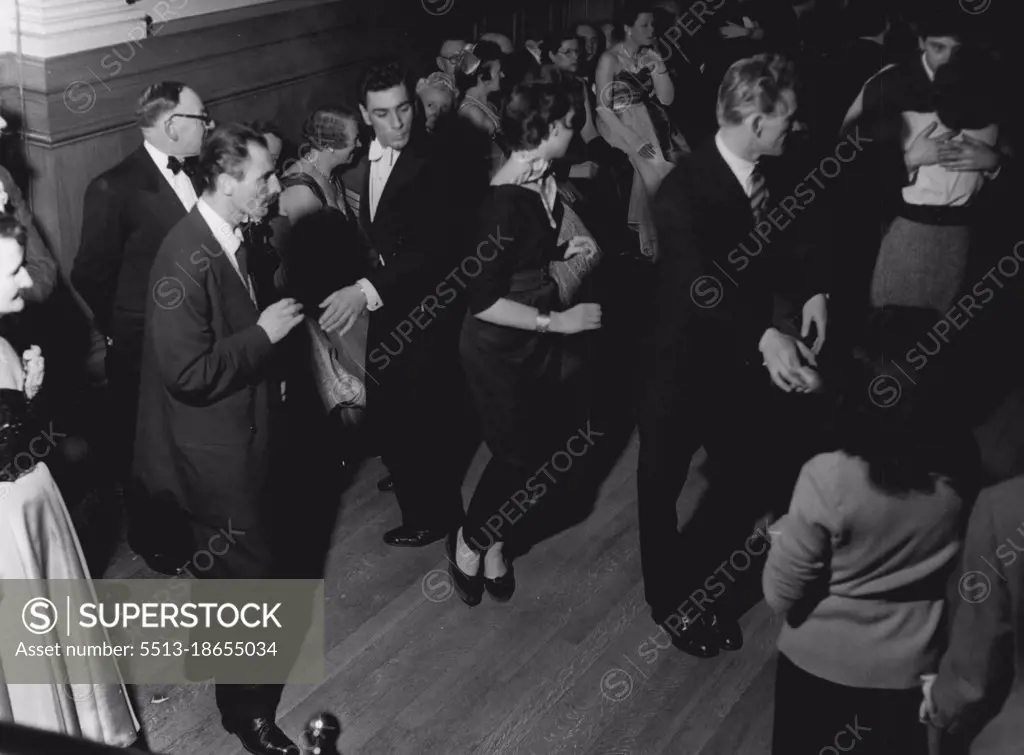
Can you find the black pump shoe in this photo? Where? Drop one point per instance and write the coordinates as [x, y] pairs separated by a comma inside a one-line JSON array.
[[502, 588], [470, 589]]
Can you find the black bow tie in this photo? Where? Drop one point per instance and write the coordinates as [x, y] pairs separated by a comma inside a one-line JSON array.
[[176, 165]]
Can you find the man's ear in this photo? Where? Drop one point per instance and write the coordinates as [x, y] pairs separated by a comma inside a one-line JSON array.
[[366, 115], [225, 184], [757, 125]]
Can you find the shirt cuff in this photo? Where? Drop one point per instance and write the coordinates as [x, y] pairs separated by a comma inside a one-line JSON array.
[[373, 301]]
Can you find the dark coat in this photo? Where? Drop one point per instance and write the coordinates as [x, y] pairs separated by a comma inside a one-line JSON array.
[[128, 211], [414, 237], [205, 408]]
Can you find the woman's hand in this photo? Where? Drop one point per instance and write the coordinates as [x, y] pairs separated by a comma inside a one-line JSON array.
[[580, 245], [579, 318]]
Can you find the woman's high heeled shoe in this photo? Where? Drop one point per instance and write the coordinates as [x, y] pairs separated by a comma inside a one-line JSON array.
[[469, 588], [501, 588]]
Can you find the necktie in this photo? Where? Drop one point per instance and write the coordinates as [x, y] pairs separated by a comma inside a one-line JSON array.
[[758, 195], [242, 258]]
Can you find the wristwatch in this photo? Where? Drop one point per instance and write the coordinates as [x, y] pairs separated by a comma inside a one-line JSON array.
[[543, 323]]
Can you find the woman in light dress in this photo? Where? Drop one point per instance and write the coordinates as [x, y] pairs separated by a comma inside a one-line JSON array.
[[38, 542], [633, 89]]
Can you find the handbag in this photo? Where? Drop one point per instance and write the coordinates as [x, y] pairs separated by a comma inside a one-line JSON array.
[[570, 274], [338, 388]]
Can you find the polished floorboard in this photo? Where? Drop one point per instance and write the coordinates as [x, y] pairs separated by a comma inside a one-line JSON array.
[[571, 665]]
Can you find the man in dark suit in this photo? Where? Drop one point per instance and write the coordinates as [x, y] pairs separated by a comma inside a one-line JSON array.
[[205, 433], [978, 695], [703, 381], [128, 212], [412, 360]]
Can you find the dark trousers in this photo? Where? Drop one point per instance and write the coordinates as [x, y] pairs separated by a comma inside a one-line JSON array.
[[757, 437], [419, 424], [232, 549], [814, 716]]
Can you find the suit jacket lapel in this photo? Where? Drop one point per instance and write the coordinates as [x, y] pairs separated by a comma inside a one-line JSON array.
[[239, 310], [724, 186], [405, 169]]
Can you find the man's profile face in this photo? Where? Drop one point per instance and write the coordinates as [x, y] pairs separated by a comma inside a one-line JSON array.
[[938, 50], [258, 186], [188, 123], [274, 145], [449, 50], [390, 114]]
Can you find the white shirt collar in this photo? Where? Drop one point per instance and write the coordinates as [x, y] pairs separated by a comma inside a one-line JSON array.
[[378, 151], [229, 238], [927, 70], [741, 168], [160, 157]]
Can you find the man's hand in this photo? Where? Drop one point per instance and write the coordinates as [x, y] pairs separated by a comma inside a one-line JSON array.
[[924, 150], [968, 155], [927, 710], [342, 309], [782, 358], [734, 31], [816, 311], [279, 318]]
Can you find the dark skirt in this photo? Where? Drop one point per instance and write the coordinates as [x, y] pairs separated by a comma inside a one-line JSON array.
[[813, 715], [920, 264]]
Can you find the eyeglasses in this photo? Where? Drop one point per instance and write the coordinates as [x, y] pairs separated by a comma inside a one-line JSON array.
[[203, 118]]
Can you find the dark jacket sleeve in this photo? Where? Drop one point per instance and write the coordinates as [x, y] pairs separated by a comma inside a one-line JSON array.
[[98, 263], [980, 653], [41, 265], [197, 367], [698, 285]]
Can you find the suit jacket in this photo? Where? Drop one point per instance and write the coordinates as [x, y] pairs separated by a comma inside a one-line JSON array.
[[416, 249], [128, 211], [981, 678], [206, 397], [719, 278]]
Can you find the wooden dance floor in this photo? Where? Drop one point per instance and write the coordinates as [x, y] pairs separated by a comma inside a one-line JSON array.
[[568, 666]]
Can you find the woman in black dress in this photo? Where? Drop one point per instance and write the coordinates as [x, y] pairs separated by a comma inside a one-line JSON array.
[[512, 339]]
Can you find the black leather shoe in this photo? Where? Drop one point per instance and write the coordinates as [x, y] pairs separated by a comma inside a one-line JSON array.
[[261, 736], [470, 589], [694, 639], [386, 484], [406, 537], [502, 588], [726, 631]]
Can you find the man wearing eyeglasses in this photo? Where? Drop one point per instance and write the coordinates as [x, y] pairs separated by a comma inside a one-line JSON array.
[[451, 50], [127, 212]]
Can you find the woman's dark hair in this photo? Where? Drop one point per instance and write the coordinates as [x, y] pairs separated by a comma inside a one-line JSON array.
[[533, 108], [226, 150], [966, 93], [628, 14], [906, 430], [486, 52], [11, 228], [552, 74]]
